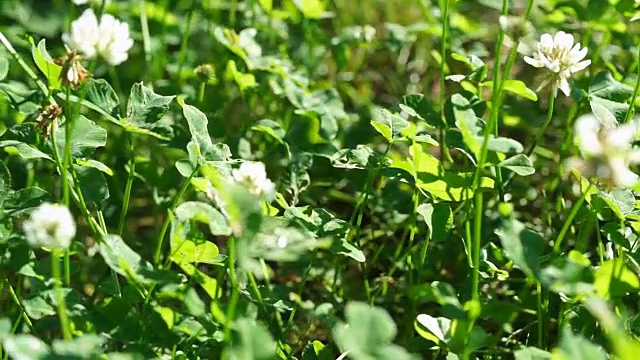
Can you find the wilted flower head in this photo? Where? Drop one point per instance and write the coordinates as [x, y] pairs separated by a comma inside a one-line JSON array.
[[47, 119], [559, 55], [607, 150], [253, 176], [108, 38], [51, 226], [73, 73]]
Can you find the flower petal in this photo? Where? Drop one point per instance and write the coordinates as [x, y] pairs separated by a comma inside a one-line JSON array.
[[563, 84], [580, 66], [533, 62]]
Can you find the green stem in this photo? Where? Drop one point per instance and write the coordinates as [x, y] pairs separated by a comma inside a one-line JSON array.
[[235, 293], [66, 159], [32, 75], [442, 88], [165, 224], [62, 310], [477, 239], [547, 121], [498, 87], [567, 223], [636, 92], [23, 312], [201, 89], [540, 314], [146, 38], [127, 190], [185, 39], [232, 13]]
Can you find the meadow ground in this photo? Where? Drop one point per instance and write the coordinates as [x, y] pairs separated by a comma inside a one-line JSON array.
[[316, 179]]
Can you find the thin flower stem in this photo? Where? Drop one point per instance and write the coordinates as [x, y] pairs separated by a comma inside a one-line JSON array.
[[276, 325], [540, 313], [127, 190], [146, 38], [636, 92], [442, 89], [496, 92], [23, 312], [479, 195], [232, 13], [201, 89], [32, 75], [66, 156], [235, 291], [185, 39], [547, 121], [476, 244], [165, 224], [567, 223], [62, 309]]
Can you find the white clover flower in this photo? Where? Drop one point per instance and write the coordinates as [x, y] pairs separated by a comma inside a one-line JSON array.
[[253, 176], [50, 226], [607, 150], [108, 38], [559, 55]]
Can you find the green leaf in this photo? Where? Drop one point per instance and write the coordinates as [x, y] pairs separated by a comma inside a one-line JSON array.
[[342, 247], [195, 306], [119, 256], [84, 347], [607, 98], [604, 86], [38, 305], [204, 213], [45, 63], [101, 94], [311, 9], [437, 330], [24, 200], [93, 185], [96, 165], [368, 334], [25, 151], [617, 234], [522, 245], [439, 219], [574, 346], [531, 353], [570, 275], [243, 80], [388, 124], [608, 112], [251, 341], [25, 347], [470, 126], [198, 127], [5, 328], [516, 87], [189, 246], [423, 110], [613, 279], [86, 137], [4, 67], [145, 111], [125, 356], [519, 164], [504, 145], [271, 128]]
